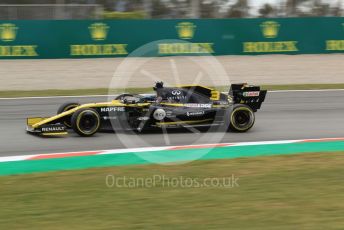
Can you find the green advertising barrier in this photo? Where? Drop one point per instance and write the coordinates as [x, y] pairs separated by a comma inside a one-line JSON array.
[[118, 38]]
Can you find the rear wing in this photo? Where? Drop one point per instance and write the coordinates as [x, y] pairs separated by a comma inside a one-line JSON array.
[[246, 94]]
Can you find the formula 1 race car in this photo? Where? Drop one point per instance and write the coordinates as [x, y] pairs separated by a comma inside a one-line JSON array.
[[170, 107]]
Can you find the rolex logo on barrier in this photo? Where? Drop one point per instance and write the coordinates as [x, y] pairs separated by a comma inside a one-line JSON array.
[[270, 29], [8, 32], [186, 30], [335, 45], [98, 31]]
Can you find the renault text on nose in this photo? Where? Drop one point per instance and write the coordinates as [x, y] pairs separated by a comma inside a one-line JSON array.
[[52, 129]]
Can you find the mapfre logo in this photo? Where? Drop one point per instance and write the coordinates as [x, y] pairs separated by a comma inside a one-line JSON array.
[[186, 30], [98, 31], [270, 29], [112, 109], [8, 32]]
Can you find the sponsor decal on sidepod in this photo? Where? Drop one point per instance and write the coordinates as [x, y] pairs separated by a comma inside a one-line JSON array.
[[198, 113], [198, 105]]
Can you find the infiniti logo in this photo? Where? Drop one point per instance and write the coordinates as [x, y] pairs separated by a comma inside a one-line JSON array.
[[176, 92]]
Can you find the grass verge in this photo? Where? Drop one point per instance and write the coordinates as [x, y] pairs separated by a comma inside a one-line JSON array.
[[303, 191], [104, 91]]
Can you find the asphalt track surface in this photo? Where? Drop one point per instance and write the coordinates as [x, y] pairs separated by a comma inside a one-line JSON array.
[[283, 116]]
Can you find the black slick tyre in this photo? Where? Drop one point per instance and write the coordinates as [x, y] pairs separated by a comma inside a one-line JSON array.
[[242, 118], [85, 122], [65, 107]]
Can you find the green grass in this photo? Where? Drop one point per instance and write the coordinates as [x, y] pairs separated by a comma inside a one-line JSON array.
[[282, 192], [104, 91]]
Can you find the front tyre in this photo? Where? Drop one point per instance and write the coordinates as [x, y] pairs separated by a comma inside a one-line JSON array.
[[85, 122], [65, 107], [241, 118]]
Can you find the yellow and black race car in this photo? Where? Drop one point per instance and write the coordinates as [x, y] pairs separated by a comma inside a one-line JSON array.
[[170, 107]]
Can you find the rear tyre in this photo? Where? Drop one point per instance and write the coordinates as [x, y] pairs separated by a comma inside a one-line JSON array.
[[85, 122], [241, 118], [65, 107]]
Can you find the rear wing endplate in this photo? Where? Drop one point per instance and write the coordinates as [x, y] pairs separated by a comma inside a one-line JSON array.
[[246, 94]]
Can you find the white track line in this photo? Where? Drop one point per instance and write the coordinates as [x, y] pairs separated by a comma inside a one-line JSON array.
[[91, 96], [164, 148]]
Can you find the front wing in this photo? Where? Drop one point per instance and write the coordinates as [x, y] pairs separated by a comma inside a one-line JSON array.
[[46, 129]]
